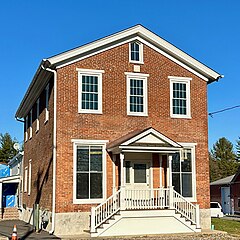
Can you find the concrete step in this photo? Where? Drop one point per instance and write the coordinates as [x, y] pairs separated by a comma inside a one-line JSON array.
[[10, 213]]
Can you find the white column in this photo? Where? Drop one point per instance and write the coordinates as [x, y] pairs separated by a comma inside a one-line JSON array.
[[160, 171], [114, 173], [197, 216], [169, 170], [1, 197], [122, 170], [122, 206]]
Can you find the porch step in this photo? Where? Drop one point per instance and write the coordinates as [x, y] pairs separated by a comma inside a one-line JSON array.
[[147, 222], [10, 213]]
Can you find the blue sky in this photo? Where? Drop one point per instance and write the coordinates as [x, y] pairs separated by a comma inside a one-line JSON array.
[[207, 30]]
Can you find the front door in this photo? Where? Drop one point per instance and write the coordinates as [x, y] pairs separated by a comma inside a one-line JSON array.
[[137, 174]]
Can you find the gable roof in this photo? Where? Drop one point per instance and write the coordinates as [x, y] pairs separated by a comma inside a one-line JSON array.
[[223, 181], [137, 32], [144, 140]]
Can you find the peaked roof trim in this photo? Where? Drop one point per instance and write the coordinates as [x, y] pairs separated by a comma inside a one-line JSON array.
[[146, 34], [130, 138]]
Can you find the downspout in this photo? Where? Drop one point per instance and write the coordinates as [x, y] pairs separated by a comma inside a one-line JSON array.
[[54, 147]]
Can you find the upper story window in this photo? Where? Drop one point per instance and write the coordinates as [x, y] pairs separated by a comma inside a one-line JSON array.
[[37, 113], [26, 128], [30, 124], [180, 97], [90, 91], [137, 94], [47, 103], [136, 52]]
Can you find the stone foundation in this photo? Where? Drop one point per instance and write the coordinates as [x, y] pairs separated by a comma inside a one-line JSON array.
[[205, 219]]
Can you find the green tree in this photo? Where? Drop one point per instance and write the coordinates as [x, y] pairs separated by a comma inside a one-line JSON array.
[[222, 160], [6, 147], [238, 149], [223, 150]]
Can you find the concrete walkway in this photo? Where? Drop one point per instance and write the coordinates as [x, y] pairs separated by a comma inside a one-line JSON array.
[[24, 231]]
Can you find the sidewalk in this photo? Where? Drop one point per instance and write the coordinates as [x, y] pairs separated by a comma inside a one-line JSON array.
[[24, 231]]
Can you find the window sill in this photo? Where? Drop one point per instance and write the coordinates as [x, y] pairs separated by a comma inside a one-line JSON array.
[[136, 62], [90, 112], [46, 121], [88, 201], [37, 130], [180, 116], [138, 114]]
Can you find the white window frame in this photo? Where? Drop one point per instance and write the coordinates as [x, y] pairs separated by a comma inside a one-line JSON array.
[[187, 81], [143, 77], [30, 127], [140, 53], [95, 73], [29, 176], [83, 142], [47, 103], [191, 146], [26, 179], [37, 119], [26, 130]]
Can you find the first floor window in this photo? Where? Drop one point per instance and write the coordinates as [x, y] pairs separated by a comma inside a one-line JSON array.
[[182, 173], [89, 172]]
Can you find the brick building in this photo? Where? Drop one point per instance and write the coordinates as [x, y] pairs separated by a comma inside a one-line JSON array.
[[116, 131]]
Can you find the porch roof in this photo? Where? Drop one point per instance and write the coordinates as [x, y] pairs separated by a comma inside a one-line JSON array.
[[144, 140]]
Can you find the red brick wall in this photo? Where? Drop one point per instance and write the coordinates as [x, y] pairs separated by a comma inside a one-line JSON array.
[[38, 149], [114, 122]]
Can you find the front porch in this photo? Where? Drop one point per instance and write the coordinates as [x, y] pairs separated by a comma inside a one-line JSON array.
[[143, 192]]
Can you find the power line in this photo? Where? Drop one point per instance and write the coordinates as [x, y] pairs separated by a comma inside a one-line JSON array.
[[223, 110]]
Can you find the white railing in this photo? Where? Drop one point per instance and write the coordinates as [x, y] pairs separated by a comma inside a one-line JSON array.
[[186, 208], [105, 210], [155, 198]]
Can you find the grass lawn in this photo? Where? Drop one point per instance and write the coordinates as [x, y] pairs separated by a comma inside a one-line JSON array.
[[229, 226]]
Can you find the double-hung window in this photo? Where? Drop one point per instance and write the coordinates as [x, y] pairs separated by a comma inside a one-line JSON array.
[[136, 52], [137, 94], [180, 97], [183, 172], [89, 171], [90, 91]]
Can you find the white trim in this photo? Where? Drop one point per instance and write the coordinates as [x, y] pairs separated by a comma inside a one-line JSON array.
[[156, 133], [114, 173], [143, 77], [140, 52], [95, 73], [25, 179], [29, 176], [37, 120], [188, 96], [81, 142], [46, 103], [30, 127], [160, 170], [144, 33]]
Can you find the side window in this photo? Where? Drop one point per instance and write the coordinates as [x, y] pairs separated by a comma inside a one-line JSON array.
[[182, 173], [37, 117], [30, 124], [47, 103], [90, 91], [180, 97], [137, 94], [26, 128], [136, 52]]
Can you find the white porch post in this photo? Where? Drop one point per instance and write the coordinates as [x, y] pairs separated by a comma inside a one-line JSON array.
[[197, 216], [114, 173], [122, 207], [170, 170], [160, 168], [1, 197]]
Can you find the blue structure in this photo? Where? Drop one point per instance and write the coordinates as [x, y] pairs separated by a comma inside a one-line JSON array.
[[4, 171]]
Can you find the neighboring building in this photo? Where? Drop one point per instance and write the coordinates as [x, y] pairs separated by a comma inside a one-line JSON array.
[[110, 128], [10, 187], [226, 191]]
